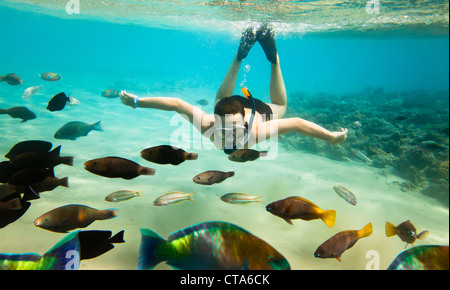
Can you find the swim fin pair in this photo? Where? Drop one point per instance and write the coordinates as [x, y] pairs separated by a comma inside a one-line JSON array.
[[265, 36]]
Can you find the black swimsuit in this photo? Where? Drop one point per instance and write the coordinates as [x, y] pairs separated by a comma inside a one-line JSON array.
[[262, 108]]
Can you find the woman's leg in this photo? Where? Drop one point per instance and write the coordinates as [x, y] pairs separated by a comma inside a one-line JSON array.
[[278, 95]]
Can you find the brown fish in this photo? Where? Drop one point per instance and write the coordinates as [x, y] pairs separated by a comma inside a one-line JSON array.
[[11, 79], [211, 177], [12, 204], [295, 207], [244, 155], [72, 216], [166, 154], [41, 159], [117, 167], [30, 176], [49, 184], [19, 113], [406, 232], [341, 242]]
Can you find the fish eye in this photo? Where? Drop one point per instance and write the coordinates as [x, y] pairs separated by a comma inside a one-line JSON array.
[[46, 218], [411, 233], [95, 162], [199, 177]]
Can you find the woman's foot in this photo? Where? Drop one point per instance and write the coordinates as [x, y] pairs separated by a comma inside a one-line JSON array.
[[266, 37], [248, 39], [338, 137]]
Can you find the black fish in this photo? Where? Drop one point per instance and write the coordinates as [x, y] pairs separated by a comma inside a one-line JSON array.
[[30, 176], [96, 243], [6, 171], [29, 146], [19, 113], [41, 159], [58, 102], [117, 167], [166, 154], [11, 79], [8, 217]]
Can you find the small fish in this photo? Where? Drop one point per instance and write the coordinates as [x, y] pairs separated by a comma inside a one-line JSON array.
[[54, 259], [122, 195], [31, 91], [58, 102], [244, 155], [209, 246], [431, 146], [166, 154], [431, 257], [406, 232], [379, 151], [19, 113], [50, 77], [239, 198], [117, 167], [173, 197], [11, 79], [41, 159], [362, 156], [28, 146], [345, 193], [211, 177], [295, 207], [96, 243], [73, 130], [202, 102], [335, 246], [357, 124], [72, 216], [110, 94]]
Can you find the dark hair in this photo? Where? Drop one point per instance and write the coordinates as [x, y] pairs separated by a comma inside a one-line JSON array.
[[229, 105]]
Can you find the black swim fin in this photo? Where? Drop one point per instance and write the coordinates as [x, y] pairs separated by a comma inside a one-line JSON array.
[[248, 39], [266, 37]]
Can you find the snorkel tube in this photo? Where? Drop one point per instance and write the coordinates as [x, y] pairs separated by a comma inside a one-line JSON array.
[[241, 144]]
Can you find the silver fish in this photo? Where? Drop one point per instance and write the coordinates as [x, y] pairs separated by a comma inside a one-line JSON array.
[[345, 193], [31, 91], [239, 198], [362, 156], [122, 195], [172, 197]]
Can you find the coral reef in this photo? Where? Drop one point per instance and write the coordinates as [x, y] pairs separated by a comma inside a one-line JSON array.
[[388, 128]]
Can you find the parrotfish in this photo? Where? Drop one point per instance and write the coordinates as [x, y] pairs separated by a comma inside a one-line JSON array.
[[239, 198], [406, 231], [173, 197], [244, 155], [110, 94], [122, 195], [56, 258], [50, 77], [429, 257], [295, 207], [166, 154], [11, 79], [335, 246], [345, 193], [41, 159], [31, 91], [209, 246], [19, 113], [117, 167], [73, 130], [72, 216], [212, 176]]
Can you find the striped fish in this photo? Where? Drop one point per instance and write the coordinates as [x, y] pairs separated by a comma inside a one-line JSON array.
[[122, 195], [239, 198], [172, 197], [345, 193]]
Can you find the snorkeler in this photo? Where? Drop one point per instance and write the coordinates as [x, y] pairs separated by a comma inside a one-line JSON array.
[[241, 122]]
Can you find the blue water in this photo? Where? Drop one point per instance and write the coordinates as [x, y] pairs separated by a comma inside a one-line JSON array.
[[190, 64]]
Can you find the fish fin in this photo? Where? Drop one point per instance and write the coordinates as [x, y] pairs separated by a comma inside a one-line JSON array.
[[56, 151], [68, 160], [329, 217], [97, 126], [263, 153], [339, 258], [146, 171], [230, 174], [191, 156], [2, 78], [289, 221], [139, 193], [366, 231], [149, 253], [57, 255], [30, 194], [64, 182], [189, 196], [390, 230], [423, 235], [117, 238]]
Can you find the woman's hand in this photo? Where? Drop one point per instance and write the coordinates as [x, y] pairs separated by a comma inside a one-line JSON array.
[[128, 99]]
